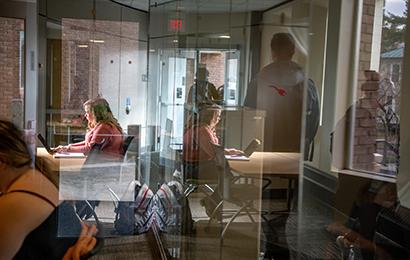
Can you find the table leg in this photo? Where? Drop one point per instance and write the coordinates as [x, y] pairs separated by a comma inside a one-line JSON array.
[[289, 195]]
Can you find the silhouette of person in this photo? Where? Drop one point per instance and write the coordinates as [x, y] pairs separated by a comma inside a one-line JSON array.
[[278, 90], [202, 91]]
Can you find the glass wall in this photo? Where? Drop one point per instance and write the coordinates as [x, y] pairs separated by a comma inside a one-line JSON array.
[[220, 129], [226, 93]]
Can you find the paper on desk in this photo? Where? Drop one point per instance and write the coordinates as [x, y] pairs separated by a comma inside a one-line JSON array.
[[68, 155], [237, 157]]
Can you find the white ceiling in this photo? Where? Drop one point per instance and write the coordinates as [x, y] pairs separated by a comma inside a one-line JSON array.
[[205, 6]]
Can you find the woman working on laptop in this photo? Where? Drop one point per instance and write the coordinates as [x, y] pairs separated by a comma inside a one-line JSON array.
[[200, 140], [103, 129]]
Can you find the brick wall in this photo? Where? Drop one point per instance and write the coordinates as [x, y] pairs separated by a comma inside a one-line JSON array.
[[365, 124], [10, 91], [91, 68], [366, 36], [215, 64], [365, 132]]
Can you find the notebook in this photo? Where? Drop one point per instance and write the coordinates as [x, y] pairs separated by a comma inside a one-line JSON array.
[[55, 154], [252, 147]]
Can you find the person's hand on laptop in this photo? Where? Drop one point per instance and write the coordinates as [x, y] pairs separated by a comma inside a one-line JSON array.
[[61, 149], [233, 151]]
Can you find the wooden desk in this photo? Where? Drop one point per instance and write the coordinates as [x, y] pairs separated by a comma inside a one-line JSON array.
[[284, 165], [79, 181], [269, 164], [59, 163]]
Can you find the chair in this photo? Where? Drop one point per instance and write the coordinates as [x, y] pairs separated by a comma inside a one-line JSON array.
[[126, 143], [242, 195], [194, 180], [98, 169]]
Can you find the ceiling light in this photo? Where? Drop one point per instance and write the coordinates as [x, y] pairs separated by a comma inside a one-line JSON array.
[[97, 41], [224, 36], [82, 46], [176, 41]]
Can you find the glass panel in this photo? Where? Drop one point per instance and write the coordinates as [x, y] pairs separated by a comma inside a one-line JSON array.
[[202, 57], [96, 109], [376, 117]]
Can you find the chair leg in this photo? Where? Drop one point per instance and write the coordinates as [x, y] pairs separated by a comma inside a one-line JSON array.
[[231, 220], [191, 188], [215, 211], [249, 214], [209, 188]]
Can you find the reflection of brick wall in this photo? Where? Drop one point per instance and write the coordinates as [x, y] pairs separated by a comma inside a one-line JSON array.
[[365, 132], [190, 72], [366, 37], [9, 64], [92, 52], [75, 77], [215, 64]]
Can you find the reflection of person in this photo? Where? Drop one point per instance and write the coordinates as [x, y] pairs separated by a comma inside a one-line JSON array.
[[203, 91], [103, 129], [199, 151], [278, 89], [199, 139], [29, 203], [373, 197]]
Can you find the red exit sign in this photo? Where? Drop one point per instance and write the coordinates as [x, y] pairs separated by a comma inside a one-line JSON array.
[[175, 25]]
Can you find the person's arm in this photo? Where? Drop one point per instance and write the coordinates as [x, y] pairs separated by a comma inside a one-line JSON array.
[[77, 144], [101, 134], [206, 142], [66, 148], [85, 243], [20, 214]]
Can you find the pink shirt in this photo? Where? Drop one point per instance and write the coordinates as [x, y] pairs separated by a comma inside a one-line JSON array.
[[101, 133], [198, 143]]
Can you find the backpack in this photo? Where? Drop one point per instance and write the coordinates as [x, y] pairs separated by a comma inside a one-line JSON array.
[[173, 213], [312, 118], [134, 217]]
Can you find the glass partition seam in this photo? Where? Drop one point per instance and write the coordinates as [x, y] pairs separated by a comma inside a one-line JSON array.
[[120, 67], [354, 59]]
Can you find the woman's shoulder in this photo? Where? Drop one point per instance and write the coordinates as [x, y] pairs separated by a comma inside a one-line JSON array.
[[35, 183]]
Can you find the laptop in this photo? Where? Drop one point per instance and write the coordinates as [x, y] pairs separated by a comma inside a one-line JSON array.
[[56, 154], [252, 147]]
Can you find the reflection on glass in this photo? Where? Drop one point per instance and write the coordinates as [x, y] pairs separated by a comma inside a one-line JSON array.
[[12, 65]]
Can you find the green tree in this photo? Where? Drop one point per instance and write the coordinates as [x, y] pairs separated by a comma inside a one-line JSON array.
[[394, 27]]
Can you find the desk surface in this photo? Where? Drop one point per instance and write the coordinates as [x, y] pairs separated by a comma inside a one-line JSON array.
[[267, 163], [58, 163]]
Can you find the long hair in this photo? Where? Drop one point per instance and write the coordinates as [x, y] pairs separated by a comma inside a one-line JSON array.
[[15, 153], [102, 113], [207, 113]]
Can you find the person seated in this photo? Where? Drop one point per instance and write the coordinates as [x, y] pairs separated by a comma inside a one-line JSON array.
[[199, 142], [30, 209], [103, 129], [199, 151], [203, 91]]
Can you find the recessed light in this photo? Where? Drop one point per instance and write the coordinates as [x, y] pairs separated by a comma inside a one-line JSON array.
[[97, 41]]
